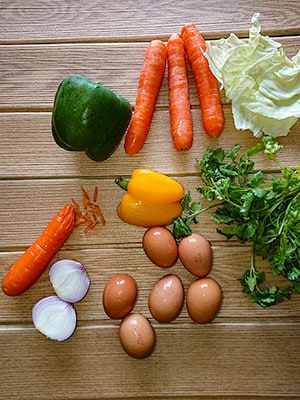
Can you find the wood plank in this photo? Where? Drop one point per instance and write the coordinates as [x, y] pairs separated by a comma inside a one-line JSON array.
[[100, 21], [40, 68], [27, 149], [102, 263], [28, 206], [222, 360]]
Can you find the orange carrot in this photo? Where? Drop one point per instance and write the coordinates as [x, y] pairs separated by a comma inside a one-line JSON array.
[[150, 80], [180, 109], [207, 84], [30, 266]]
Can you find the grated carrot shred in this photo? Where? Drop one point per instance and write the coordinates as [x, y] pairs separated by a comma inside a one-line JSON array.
[[92, 214]]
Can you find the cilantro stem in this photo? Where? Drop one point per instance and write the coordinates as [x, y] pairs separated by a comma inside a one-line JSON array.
[[208, 208], [286, 214], [224, 195], [253, 269]]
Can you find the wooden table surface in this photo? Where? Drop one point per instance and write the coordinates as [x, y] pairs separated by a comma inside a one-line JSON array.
[[247, 352]]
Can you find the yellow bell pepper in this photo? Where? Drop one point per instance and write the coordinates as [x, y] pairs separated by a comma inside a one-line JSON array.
[[152, 199], [146, 214], [149, 185]]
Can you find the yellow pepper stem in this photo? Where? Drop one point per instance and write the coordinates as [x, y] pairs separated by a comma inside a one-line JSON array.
[[123, 183]]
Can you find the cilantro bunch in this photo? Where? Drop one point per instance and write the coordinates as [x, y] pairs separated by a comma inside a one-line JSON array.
[[253, 207]]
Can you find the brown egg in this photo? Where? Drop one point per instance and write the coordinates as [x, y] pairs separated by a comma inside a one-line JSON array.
[[119, 296], [203, 300], [137, 336], [195, 254], [166, 298], [160, 246]]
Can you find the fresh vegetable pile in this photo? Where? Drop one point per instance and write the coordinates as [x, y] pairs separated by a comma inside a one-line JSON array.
[[261, 82], [256, 208], [248, 205]]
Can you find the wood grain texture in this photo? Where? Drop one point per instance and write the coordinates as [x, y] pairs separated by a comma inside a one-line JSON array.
[[247, 353], [97, 20], [40, 68], [93, 365], [28, 137], [102, 263]]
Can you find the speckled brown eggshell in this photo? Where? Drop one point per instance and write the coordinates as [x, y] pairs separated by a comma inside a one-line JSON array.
[[195, 254], [203, 300], [166, 298], [137, 336], [119, 296], [160, 246]]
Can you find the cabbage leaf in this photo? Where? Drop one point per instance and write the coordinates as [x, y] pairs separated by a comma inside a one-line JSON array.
[[261, 82]]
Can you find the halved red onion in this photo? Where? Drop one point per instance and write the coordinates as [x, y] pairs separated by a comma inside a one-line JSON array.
[[55, 318], [69, 280]]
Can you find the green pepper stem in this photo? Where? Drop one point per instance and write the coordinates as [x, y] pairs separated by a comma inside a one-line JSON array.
[[123, 183]]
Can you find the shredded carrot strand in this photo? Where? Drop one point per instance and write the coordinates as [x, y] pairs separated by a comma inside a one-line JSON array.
[[96, 192], [92, 214], [90, 226]]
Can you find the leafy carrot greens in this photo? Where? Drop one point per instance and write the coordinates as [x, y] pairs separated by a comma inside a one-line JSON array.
[[252, 207]]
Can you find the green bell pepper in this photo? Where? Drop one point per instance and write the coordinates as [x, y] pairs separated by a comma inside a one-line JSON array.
[[89, 117]]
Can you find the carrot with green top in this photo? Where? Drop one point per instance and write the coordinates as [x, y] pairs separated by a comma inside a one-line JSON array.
[[150, 80], [207, 84], [179, 99], [30, 266]]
